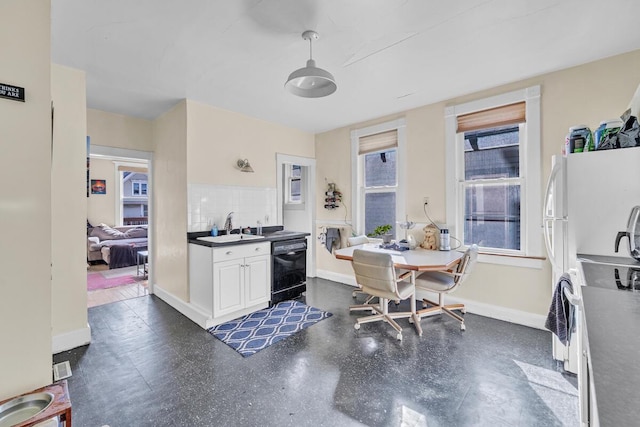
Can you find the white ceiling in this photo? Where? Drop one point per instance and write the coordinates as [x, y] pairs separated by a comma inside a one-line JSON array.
[[141, 57]]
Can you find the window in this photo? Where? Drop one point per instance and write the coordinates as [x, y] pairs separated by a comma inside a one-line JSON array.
[[133, 194], [493, 173], [294, 184], [378, 176], [139, 188]]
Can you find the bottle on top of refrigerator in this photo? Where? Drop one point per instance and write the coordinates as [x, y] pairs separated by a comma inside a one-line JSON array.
[[606, 127], [580, 139]]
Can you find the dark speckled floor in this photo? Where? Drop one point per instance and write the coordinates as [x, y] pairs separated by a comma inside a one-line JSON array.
[[150, 366]]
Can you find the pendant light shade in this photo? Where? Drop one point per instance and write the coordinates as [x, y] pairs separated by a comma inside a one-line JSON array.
[[311, 81]]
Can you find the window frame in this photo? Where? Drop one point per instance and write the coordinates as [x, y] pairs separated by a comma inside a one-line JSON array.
[[530, 253], [289, 178], [141, 184], [357, 173]]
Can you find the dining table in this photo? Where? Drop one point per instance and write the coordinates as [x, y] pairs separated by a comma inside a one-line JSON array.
[[414, 260]]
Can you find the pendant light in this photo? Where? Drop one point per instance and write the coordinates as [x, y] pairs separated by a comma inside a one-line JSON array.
[[310, 81]]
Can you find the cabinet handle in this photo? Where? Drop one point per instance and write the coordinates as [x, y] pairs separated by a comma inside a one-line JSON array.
[[229, 252], [258, 249]]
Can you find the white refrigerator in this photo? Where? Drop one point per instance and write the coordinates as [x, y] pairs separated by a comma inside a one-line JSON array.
[[588, 200]]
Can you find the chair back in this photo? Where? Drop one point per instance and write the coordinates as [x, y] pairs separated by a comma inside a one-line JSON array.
[[357, 240], [375, 273], [468, 261]]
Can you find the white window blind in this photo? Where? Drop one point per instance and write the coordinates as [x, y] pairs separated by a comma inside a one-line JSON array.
[[378, 142], [493, 117]]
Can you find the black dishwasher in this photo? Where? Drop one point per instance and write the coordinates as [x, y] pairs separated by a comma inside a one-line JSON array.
[[288, 269]]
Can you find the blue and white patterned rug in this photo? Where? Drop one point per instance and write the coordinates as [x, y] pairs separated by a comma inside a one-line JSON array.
[[256, 331]]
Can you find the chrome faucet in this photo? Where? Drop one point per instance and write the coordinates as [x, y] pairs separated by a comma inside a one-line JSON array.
[[228, 225]]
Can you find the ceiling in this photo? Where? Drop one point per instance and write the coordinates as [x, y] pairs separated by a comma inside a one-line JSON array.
[[142, 57]]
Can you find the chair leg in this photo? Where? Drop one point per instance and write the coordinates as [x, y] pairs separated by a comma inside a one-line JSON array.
[[415, 319], [383, 314], [440, 307]]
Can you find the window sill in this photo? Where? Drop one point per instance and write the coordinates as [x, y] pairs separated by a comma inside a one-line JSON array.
[[512, 260]]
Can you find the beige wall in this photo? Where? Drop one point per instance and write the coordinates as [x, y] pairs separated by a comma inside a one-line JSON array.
[[68, 207], [585, 94], [25, 203], [116, 130], [218, 138], [201, 144], [169, 201], [101, 208]]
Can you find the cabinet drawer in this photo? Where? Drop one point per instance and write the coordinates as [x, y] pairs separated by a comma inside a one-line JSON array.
[[241, 251]]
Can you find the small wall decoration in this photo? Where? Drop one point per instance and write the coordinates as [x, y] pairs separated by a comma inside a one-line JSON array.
[[333, 197], [14, 93], [98, 186]]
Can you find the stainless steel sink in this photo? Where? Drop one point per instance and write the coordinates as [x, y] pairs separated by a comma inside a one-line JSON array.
[[226, 238], [22, 408]]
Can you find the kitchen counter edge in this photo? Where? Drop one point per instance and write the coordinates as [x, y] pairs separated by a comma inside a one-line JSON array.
[[268, 237]]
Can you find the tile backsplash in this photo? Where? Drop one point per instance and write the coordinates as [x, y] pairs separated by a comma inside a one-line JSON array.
[[210, 204]]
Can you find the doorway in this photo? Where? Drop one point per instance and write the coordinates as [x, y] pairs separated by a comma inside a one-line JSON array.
[[296, 177], [119, 251]]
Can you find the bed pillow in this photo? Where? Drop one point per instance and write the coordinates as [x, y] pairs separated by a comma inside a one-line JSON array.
[[104, 232], [137, 232]]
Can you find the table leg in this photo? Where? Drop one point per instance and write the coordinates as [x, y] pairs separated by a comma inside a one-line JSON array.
[[414, 315]]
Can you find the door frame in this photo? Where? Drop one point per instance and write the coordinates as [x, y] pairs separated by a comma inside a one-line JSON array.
[[310, 201], [122, 154]]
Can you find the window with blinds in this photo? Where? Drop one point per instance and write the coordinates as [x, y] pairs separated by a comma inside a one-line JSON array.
[[491, 144], [380, 179]]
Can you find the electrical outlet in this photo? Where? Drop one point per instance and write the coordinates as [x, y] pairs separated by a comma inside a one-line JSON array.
[[425, 200]]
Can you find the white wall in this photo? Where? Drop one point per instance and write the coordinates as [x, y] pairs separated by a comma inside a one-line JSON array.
[[69, 210], [210, 204], [25, 198], [101, 208]]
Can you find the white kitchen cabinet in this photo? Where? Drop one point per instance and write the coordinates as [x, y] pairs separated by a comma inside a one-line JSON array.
[[229, 281]]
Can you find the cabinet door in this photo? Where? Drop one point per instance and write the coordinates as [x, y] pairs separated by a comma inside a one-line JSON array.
[[228, 291], [257, 279]]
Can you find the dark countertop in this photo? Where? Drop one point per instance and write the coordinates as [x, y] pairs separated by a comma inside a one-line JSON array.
[[271, 234], [612, 319]]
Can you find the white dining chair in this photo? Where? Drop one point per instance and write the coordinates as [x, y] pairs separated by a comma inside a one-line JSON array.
[[376, 274], [444, 283]]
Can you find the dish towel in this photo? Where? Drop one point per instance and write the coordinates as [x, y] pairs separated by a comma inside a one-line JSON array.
[[333, 238], [561, 312]]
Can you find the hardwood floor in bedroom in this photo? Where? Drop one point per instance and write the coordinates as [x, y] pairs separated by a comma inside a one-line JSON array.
[[119, 293]]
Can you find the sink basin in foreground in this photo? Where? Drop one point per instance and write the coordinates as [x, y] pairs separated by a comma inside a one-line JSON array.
[[226, 238], [22, 408]]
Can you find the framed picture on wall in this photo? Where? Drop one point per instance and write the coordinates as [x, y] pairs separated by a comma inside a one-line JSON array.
[[98, 186]]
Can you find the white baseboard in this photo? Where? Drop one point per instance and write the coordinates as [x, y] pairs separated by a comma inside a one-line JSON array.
[[483, 309], [70, 340], [347, 279], [506, 314], [194, 313]]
